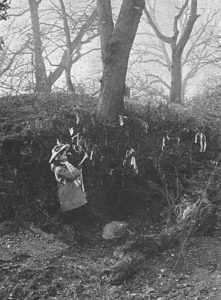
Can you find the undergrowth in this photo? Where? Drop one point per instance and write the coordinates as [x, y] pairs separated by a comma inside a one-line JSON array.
[[145, 161]]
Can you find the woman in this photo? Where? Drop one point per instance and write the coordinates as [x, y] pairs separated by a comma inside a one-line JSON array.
[[70, 193]]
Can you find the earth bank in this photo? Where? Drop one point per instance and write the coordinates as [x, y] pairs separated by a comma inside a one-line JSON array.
[[148, 169]]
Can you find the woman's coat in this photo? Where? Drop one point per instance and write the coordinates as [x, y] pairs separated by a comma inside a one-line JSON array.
[[70, 193]]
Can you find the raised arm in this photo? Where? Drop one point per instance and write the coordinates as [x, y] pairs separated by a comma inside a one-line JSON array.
[[63, 173]]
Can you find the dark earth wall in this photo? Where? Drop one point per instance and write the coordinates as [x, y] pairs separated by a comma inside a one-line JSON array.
[[31, 125]]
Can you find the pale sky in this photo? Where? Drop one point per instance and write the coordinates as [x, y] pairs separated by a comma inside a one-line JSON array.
[[88, 69], [166, 12]]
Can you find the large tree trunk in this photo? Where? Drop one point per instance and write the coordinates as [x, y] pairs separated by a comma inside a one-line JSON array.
[[176, 78], [42, 83], [111, 98], [70, 86], [116, 44]]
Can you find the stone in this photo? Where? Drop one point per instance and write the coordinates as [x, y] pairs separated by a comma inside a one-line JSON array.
[[115, 229]]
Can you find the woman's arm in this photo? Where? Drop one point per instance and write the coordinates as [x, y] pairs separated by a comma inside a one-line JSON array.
[[63, 173]]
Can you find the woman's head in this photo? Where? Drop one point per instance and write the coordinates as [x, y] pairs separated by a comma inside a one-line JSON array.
[[59, 153], [62, 156]]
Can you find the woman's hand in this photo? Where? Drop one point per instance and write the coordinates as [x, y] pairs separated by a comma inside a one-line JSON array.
[[67, 175]]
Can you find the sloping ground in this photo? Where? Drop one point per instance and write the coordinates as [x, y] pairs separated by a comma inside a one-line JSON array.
[[68, 265]]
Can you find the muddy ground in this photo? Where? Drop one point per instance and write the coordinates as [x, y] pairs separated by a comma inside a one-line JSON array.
[[68, 264]]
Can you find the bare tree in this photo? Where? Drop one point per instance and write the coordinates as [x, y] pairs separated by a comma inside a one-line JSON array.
[[15, 66], [8, 57], [19, 77], [83, 34], [56, 38], [42, 83], [200, 51], [116, 42], [69, 82], [177, 43]]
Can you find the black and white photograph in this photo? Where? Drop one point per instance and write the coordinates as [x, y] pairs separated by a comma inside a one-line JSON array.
[[110, 150]]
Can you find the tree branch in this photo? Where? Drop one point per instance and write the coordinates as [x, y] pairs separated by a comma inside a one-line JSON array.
[[202, 37], [19, 14], [189, 26], [66, 27], [4, 70], [160, 80], [177, 17], [74, 44], [161, 36], [166, 55], [83, 54], [155, 61]]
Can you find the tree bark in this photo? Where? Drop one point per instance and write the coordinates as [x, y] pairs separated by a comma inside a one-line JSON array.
[[176, 78], [42, 83], [69, 83], [70, 86], [116, 43]]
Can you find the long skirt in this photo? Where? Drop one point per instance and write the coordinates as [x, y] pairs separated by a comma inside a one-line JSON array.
[[71, 196]]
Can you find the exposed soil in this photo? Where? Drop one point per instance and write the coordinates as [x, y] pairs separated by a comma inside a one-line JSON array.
[[68, 265]]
